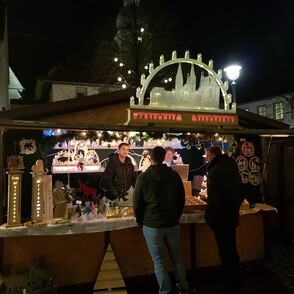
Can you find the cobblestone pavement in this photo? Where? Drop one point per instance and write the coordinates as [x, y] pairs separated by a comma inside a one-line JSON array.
[[275, 277], [282, 262]]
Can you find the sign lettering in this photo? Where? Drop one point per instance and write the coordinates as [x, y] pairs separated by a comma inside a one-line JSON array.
[[213, 118], [157, 116]]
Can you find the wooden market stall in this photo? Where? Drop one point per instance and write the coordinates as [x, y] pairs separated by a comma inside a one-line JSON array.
[[78, 248]]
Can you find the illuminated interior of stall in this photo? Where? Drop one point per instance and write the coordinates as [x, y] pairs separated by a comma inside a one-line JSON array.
[[78, 151]]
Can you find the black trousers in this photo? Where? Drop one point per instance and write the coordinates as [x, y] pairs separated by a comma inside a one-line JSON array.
[[226, 243]]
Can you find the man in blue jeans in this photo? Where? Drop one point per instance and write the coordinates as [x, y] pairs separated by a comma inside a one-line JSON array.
[[158, 202]]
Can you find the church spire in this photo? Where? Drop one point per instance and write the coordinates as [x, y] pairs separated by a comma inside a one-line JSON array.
[[192, 79], [179, 79]]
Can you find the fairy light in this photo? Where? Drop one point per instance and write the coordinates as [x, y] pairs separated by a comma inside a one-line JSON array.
[[124, 86], [119, 79], [121, 64], [115, 59]]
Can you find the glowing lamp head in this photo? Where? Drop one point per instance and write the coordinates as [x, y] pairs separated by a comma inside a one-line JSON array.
[[233, 72]]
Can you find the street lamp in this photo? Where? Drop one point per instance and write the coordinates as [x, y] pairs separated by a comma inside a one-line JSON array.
[[233, 72]]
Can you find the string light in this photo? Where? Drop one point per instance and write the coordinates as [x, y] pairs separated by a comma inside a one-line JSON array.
[[115, 59]]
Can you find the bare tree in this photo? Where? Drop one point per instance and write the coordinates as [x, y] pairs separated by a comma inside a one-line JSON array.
[[134, 43]]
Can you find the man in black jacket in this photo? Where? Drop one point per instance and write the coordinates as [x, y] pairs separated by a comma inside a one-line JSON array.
[[119, 174], [158, 202], [222, 214]]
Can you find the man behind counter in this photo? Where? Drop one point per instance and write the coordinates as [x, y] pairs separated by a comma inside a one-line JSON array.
[[169, 156], [119, 174]]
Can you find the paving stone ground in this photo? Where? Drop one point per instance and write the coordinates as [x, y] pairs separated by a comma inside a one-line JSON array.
[[275, 277]]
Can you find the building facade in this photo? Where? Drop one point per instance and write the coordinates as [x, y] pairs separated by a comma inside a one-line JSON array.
[[277, 107], [69, 90]]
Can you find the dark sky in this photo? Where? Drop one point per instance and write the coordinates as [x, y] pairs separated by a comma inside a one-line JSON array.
[[259, 35]]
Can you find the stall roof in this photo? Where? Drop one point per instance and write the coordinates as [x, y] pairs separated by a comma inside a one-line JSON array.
[[44, 116]]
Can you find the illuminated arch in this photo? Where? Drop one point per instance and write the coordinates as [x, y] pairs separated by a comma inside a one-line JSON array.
[[140, 93]]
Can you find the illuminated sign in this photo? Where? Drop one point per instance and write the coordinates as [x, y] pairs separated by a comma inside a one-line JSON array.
[[142, 117], [14, 198], [214, 118], [157, 116]]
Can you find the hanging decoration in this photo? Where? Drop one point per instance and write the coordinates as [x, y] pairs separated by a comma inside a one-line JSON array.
[[97, 138], [249, 164], [27, 146]]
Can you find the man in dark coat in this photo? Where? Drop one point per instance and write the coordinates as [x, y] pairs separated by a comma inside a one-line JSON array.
[[119, 174], [158, 202], [222, 214]]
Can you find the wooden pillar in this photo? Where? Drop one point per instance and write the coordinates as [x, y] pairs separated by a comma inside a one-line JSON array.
[[2, 178]]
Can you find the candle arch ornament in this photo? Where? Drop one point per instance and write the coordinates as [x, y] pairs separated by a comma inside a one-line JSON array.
[[140, 93]]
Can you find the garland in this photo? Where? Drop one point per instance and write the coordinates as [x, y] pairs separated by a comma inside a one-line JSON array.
[[187, 140]]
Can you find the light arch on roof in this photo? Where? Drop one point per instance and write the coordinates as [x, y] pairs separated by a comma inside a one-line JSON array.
[[140, 93]]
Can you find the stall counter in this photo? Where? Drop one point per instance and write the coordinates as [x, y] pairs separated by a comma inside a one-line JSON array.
[[74, 254]]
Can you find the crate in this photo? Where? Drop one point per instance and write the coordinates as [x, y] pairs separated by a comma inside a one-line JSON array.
[[193, 203]]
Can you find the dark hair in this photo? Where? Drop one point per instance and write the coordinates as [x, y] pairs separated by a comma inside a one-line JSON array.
[[169, 149], [123, 144], [214, 150], [158, 154]]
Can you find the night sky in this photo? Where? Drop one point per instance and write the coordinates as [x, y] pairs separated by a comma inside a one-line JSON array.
[[259, 35]]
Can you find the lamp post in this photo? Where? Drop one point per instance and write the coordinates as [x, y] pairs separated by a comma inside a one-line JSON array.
[[233, 72]]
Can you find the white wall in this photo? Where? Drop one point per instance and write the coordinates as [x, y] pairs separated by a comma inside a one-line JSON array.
[[68, 91], [269, 103]]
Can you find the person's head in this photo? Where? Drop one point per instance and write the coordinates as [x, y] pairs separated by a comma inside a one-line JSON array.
[[157, 155], [123, 151], [169, 154], [212, 152]]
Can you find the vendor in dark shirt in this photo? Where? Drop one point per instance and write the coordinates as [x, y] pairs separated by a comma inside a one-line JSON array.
[[119, 174]]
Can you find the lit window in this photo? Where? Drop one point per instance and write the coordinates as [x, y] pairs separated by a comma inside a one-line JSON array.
[[81, 92], [279, 110], [261, 110]]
